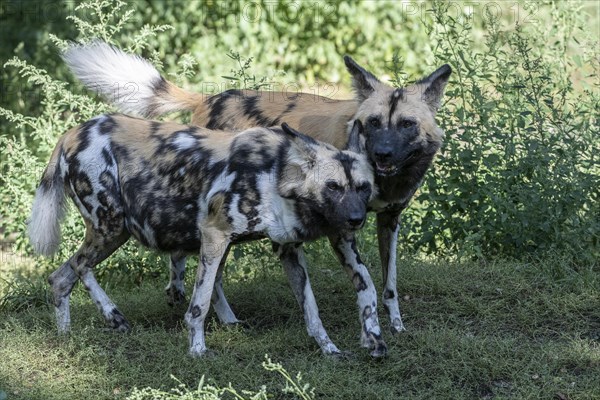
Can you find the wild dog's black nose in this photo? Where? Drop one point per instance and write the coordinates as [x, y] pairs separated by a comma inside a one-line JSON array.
[[355, 220], [383, 154]]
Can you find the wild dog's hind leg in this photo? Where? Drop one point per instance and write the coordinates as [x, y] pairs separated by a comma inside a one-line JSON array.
[[176, 287], [387, 236], [345, 249], [62, 281], [294, 263], [95, 249], [219, 302], [214, 246]]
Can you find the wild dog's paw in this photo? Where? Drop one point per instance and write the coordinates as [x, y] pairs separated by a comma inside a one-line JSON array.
[[397, 326], [118, 322], [375, 344], [379, 351], [175, 296], [202, 353], [342, 355]]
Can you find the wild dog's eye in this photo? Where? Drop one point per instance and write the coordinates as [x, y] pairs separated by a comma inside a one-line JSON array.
[[407, 123], [363, 187], [374, 122], [333, 185]]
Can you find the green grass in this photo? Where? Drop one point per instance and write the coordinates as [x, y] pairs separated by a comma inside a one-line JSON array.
[[476, 330]]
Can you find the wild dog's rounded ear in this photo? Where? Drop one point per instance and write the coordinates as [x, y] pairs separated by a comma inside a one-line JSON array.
[[434, 85], [290, 131], [363, 81], [304, 142], [355, 142]]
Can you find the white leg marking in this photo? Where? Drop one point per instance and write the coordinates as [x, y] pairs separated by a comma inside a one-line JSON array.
[[345, 249], [211, 253], [294, 264]]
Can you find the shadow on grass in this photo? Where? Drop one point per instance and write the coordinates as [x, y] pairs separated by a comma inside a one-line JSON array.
[[475, 330]]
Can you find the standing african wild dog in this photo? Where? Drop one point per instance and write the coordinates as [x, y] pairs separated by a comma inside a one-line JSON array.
[[181, 188], [401, 133]]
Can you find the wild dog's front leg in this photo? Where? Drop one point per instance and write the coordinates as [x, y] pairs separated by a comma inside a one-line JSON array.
[[387, 236], [294, 263], [176, 287], [214, 246], [345, 249]]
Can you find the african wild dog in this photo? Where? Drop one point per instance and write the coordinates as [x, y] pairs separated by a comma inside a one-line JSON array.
[[402, 135], [182, 189]]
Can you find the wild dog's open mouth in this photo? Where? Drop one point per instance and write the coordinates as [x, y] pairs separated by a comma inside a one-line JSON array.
[[384, 169]]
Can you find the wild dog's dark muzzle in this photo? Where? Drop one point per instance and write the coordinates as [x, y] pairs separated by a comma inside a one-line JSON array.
[[382, 146], [356, 211], [384, 160], [356, 220]]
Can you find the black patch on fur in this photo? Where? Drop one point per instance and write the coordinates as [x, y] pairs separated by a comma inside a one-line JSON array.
[[359, 282], [102, 198], [388, 294], [292, 104], [84, 134], [107, 125], [108, 181], [82, 188], [154, 127], [121, 153], [355, 250], [196, 311], [217, 105], [397, 95], [250, 104], [107, 157], [346, 160]]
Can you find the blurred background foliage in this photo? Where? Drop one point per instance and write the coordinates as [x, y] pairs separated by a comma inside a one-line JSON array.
[[518, 174]]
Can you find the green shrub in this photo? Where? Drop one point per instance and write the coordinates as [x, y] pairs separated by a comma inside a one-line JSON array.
[[519, 171]]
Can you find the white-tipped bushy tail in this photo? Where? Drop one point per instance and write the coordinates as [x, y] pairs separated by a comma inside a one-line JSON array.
[[47, 213], [128, 81]]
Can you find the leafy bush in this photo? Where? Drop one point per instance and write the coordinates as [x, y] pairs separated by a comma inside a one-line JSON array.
[[518, 173], [30, 141]]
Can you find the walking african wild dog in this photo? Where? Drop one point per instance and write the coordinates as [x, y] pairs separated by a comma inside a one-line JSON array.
[[401, 133], [181, 189]]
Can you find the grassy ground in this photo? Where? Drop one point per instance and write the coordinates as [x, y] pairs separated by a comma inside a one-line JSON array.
[[475, 331]]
